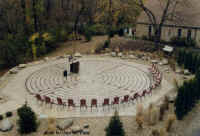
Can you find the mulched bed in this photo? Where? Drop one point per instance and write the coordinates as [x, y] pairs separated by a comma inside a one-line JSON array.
[[129, 44]]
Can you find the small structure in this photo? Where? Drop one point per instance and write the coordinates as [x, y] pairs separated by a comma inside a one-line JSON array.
[[168, 50], [130, 32], [74, 67]]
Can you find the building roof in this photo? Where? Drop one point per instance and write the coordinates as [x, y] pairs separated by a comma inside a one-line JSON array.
[[188, 13]]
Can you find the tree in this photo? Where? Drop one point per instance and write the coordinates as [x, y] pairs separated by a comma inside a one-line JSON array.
[[79, 9], [116, 14], [88, 35], [168, 13], [27, 120], [179, 103], [115, 127], [186, 98]]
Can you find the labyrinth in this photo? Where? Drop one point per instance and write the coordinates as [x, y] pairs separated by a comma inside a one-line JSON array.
[[98, 79]]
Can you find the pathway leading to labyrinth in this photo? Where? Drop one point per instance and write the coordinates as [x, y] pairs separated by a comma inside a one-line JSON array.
[[99, 78]]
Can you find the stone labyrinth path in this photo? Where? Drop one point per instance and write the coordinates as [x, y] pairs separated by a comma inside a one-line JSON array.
[[98, 78]]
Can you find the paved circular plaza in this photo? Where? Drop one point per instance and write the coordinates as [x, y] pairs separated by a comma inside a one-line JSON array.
[[98, 79]]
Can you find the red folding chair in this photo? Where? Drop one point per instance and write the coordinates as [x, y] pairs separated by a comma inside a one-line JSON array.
[[83, 103], [149, 91], [60, 102], [106, 102], [136, 96], [39, 97], [48, 100], [94, 103], [115, 101], [126, 99], [144, 93], [153, 86], [71, 103], [132, 99]]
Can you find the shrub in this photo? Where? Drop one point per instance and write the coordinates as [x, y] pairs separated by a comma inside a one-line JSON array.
[[8, 114], [144, 37], [147, 38], [111, 33], [115, 127], [99, 48], [182, 42], [63, 35], [189, 59], [1, 117], [140, 121], [169, 122], [106, 44], [188, 94], [88, 35], [162, 112], [155, 132], [98, 29], [149, 114], [166, 102], [140, 116], [172, 64], [27, 120], [153, 116], [71, 36], [121, 32], [51, 126], [176, 83], [139, 110], [163, 132]]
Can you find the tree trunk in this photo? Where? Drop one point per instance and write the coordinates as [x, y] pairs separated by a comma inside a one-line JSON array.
[[35, 15], [23, 6], [157, 36], [78, 18], [110, 14], [62, 4], [76, 25], [48, 7]]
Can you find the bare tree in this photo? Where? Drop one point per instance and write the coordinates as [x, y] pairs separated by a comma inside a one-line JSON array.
[[168, 13]]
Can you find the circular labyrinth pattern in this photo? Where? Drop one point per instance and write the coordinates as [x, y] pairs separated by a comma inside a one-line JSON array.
[[97, 79]]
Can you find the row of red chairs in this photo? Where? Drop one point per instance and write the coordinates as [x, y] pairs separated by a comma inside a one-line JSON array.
[[94, 102], [157, 76]]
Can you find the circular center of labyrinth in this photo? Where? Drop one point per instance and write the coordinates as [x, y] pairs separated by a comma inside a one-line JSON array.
[[98, 78]]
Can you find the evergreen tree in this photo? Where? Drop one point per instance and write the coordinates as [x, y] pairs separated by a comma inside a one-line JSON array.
[[179, 104], [194, 60], [186, 60], [197, 63], [190, 61], [197, 78], [115, 127], [180, 59], [27, 120]]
